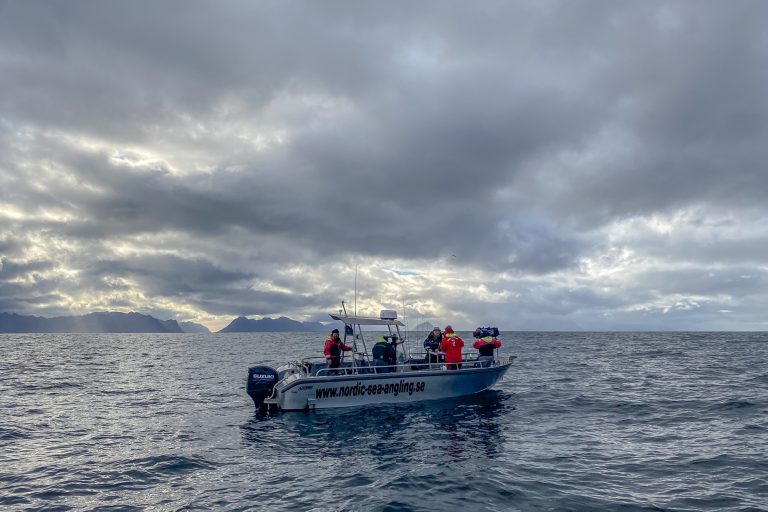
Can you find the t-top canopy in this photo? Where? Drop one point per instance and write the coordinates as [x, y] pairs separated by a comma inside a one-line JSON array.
[[364, 320]]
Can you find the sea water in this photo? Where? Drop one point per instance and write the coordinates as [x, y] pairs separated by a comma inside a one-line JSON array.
[[582, 421]]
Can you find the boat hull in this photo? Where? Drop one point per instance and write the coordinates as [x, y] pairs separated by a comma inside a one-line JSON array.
[[354, 390]]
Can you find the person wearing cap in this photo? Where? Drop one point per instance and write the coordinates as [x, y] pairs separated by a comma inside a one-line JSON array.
[[432, 345], [333, 348], [452, 346]]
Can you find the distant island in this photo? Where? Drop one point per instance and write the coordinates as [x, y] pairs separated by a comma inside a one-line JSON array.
[[103, 322], [282, 324], [424, 326]]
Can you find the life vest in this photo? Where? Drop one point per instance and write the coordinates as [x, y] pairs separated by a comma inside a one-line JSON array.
[[488, 348], [486, 345]]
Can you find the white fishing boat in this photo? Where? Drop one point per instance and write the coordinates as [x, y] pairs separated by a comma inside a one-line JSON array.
[[360, 379]]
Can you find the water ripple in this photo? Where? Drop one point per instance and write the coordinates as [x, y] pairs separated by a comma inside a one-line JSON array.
[[585, 421]]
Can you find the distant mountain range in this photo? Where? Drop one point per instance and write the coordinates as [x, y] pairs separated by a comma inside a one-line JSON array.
[[94, 323], [282, 324], [193, 327], [137, 322]]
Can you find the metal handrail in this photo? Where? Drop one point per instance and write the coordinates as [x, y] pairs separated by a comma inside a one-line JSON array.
[[355, 370]]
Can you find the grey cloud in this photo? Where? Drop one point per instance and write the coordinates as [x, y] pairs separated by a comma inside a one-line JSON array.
[[733, 281], [10, 269], [202, 284], [498, 138], [692, 103], [24, 290]]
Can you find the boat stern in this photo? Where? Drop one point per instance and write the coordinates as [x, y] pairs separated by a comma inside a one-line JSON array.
[[261, 383]]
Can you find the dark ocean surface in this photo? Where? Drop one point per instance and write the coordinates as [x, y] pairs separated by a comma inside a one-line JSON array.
[[583, 421]]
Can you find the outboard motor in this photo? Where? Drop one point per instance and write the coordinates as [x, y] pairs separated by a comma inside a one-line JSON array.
[[261, 382]]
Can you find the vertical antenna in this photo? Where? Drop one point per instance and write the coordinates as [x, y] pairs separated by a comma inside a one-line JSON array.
[[405, 317], [355, 289]]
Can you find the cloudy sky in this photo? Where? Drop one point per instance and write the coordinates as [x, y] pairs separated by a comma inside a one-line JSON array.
[[535, 165]]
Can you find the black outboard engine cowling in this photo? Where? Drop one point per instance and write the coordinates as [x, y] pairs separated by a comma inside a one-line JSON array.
[[261, 382]]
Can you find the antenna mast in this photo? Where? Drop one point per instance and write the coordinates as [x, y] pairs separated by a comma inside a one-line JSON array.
[[405, 317]]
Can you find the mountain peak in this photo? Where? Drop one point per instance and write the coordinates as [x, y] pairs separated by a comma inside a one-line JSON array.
[[281, 324]]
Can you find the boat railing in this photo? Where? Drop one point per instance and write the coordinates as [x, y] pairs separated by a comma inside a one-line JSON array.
[[407, 367]]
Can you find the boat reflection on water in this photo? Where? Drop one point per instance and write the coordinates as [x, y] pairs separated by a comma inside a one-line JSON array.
[[421, 432], [470, 428]]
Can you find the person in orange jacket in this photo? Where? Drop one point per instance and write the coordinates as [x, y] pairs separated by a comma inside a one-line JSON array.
[[333, 348], [452, 346]]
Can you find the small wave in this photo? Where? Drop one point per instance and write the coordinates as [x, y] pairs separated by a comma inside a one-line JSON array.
[[141, 391], [13, 500], [722, 460], [751, 430], [734, 405], [714, 501], [118, 508], [171, 464], [12, 434], [659, 353], [622, 406], [49, 385], [632, 407], [131, 474]]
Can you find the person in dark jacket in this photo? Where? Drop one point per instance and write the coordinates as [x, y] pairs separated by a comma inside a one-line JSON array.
[[385, 353], [432, 345], [333, 349]]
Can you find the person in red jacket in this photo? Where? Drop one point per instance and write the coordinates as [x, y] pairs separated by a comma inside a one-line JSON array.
[[485, 346], [333, 348], [452, 345]]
